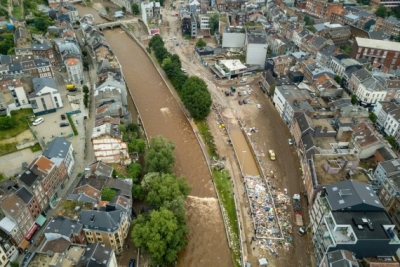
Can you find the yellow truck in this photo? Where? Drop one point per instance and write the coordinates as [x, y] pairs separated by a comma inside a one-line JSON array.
[[272, 155], [71, 87]]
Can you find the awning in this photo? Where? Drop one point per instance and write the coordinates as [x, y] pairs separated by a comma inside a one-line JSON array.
[[24, 244], [40, 220], [31, 231]]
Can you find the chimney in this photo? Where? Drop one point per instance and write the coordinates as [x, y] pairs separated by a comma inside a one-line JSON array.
[[92, 218]]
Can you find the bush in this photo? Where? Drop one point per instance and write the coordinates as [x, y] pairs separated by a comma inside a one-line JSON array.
[[71, 122], [7, 123]]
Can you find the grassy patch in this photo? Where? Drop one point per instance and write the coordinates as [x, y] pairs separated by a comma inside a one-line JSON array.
[[34, 30], [7, 148], [207, 138], [36, 147], [2, 178], [71, 122], [17, 12], [223, 184], [22, 125]]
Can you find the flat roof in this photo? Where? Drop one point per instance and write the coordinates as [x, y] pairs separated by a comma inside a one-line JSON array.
[[378, 219], [378, 44], [233, 64]]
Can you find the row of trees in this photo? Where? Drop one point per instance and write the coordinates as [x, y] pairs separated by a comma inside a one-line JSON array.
[[85, 96], [162, 232], [192, 90]]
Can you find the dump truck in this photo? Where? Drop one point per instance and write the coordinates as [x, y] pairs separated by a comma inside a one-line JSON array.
[[71, 87], [298, 217]]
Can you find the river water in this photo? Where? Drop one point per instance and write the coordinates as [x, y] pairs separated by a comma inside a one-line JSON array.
[[161, 115]]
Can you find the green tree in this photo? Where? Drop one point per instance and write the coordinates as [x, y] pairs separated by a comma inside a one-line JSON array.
[[123, 9], [7, 123], [372, 117], [337, 79], [133, 129], [214, 23], [354, 99], [107, 9], [14, 264], [84, 53], [137, 145], [161, 235], [382, 11], [201, 43], [307, 20], [196, 97], [86, 100], [162, 188], [135, 9], [107, 193], [134, 171], [85, 89], [392, 141], [86, 64], [160, 157]]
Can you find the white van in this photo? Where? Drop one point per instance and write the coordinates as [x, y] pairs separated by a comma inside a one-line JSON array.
[[184, 70], [38, 121]]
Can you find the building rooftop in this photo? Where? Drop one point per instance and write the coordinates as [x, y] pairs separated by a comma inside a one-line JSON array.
[[58, 245], [96, 255], [108, 221], [372, 229], [40, 83], [233, 64], [57, 148], [341, 258], [71, 209], [291, 91], [391, 167], [24, 194], [364, 135], [256, 37], [352, 195], [63, 226], [378, 44]]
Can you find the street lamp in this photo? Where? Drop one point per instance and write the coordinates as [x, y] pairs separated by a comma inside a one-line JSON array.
[[243, 153]]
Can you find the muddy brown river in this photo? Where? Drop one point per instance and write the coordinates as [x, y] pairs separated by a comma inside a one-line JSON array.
[[161, 115]]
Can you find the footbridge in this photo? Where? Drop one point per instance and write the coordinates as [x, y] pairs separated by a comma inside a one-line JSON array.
[[117, 23]]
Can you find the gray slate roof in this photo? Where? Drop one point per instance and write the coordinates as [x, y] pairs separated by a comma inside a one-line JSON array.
[[57, 148], [81, 197], [63, 226], [24, 194], [352, 194], [40, 83], [391, 167], [107, 221], [96, 255]]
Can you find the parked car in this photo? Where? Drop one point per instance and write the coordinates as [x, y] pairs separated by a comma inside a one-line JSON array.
[[290, 142], [240, 102], [38, 121], [272, 154], [63, 117], [132, 262], [258, 106], [64, 124]]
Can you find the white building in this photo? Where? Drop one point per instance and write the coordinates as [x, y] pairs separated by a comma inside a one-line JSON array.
[[45, 98], [150, 10], [233, 37], [340, 63], [19, 94], [3, 257], [204, 21], [256, 48], [108, 145], [370, 91], [229, 68], [75, 70]]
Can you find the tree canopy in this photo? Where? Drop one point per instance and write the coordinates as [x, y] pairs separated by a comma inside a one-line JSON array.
[[214, 23], [392, 141], [382, 11], [107, 193], [201, 43], [354, 99], [135, 9], [162, 188], [159, 157], [160, 234], [372, 117], [196, 97]]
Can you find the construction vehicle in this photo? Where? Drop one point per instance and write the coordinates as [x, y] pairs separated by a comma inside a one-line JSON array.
[[298, 217], [71, 87]]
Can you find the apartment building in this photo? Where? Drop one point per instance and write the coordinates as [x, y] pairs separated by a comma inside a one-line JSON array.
[[67, 228], [348, 215], [256, 47], [323, 8], [45, 51], [386, 3], [341, 63], [390, 25], [282, 64], [358, 77], [377, 51], [3, 258], [109, 227], [60, 151], [371, 91], [366, 140]]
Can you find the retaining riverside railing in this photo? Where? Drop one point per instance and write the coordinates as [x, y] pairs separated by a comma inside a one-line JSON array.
[[187, 118]]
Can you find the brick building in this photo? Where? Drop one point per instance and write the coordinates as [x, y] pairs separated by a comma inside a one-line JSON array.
[[377, 51], [323, 9]]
